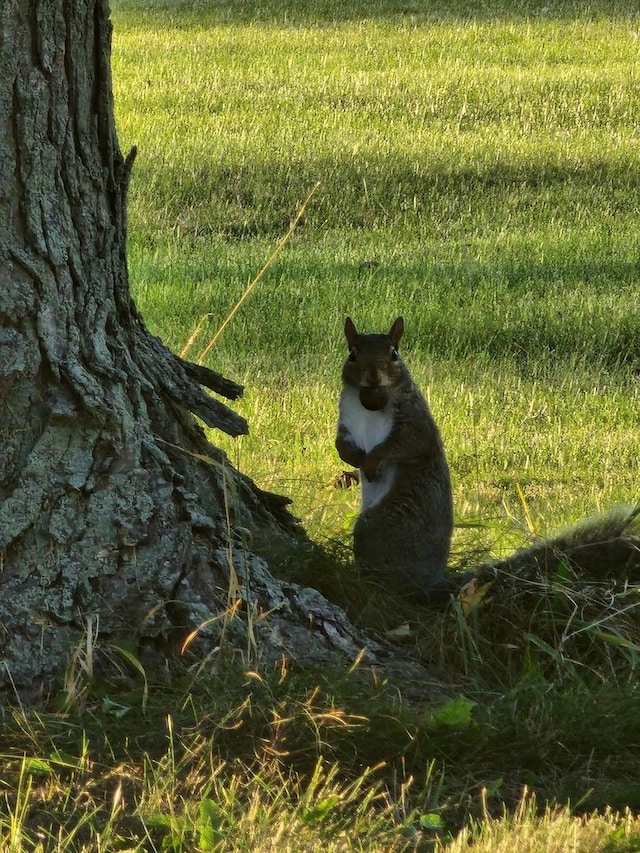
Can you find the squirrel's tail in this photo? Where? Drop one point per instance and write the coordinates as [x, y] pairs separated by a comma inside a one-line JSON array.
[[606, 548]]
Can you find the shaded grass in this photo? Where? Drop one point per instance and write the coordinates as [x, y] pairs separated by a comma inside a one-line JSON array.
[[271, 763], [286, 13], [213, 757]]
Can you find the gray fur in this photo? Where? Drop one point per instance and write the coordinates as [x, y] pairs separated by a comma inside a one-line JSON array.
[[403, 532]]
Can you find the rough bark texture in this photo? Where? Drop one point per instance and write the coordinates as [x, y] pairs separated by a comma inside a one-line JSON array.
[[108, 513]]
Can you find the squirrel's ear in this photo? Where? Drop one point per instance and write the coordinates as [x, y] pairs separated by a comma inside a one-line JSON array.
[[395, 333], [351, 332]]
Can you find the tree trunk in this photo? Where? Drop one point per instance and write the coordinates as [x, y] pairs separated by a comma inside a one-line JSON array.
[[111, 517]]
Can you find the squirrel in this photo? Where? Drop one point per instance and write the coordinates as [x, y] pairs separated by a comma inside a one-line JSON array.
[[403, 532]]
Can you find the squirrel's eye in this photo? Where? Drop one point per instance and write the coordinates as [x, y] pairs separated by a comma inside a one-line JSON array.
[[352, 355], [394, 354]]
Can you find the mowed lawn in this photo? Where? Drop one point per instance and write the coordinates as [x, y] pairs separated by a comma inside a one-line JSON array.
[[479, 174]]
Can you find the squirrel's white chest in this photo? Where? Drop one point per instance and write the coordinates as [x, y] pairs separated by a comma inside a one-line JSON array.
[[366, 428]]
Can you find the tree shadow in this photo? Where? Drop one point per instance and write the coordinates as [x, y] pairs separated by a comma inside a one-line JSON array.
[[411, 12], [256, 198]]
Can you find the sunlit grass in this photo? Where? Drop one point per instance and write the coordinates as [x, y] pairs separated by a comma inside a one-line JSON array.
[[558, 831], [479, 174], [456, 125], [290, 448]]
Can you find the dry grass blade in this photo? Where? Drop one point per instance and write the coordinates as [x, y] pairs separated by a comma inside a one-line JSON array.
[[251, 287]]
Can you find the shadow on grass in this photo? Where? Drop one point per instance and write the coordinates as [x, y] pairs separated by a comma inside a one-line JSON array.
[[310, 12], [259, 199], [564, 308]]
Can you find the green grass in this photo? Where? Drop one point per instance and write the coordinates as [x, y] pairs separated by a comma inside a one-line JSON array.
[[480, 175], [304, 761]]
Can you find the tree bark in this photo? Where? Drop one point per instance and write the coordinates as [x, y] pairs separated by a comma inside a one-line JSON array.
[[115, 512]]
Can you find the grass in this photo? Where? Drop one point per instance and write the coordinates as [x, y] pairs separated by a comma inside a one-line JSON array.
[[479, 174], [380, 776]]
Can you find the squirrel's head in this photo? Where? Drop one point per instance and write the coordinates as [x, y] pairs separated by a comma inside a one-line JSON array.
[[374, 364]]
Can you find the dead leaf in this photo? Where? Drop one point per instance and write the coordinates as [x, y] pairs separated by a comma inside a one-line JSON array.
[[474, 595]]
